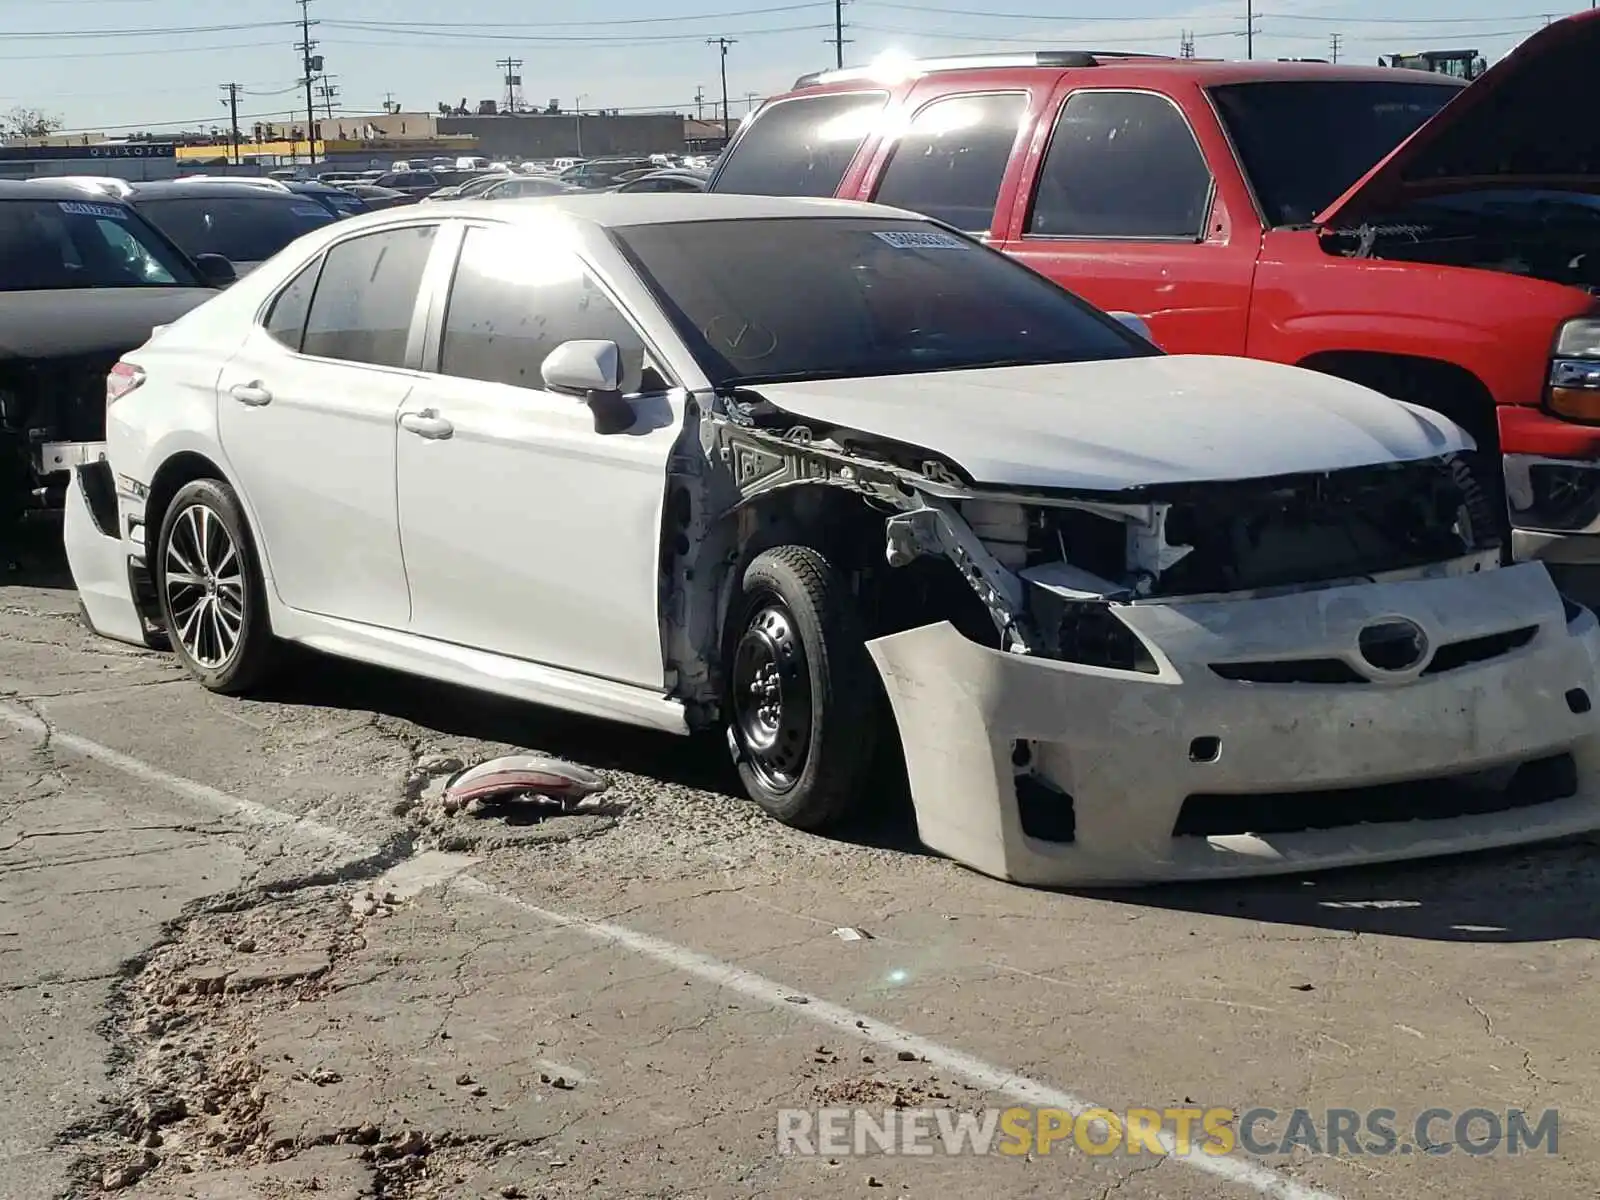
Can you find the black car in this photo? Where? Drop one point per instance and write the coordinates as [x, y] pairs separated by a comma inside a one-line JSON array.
[[412, 183], [375, 197], [246, 223], [669, 179], [83, 279], [335, 199]]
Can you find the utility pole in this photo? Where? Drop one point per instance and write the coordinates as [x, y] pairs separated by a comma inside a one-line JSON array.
[[329, 94], [699, 102], [512, 81], [837, 41], [312, 67], [750, 99], [1249, 29], [722, 44], [1186, 44], [232, 103], [1333, 48], [389, 106]]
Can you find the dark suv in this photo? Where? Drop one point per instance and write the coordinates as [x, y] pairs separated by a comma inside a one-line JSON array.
[[83, 279], [246, 223]]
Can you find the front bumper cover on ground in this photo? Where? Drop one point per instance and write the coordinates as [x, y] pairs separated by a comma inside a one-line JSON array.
[[1118, 747]]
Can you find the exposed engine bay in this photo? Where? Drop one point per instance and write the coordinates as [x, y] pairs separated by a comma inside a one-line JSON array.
[[1050, 569], [1549, 236]]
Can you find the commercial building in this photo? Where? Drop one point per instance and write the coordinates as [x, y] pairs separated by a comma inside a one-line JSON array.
[[133, 161]]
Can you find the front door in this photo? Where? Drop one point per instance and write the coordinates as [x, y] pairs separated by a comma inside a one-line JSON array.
[[306, 414], [525, 532]]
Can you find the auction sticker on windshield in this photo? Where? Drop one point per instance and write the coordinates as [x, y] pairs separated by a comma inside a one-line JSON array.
[[904, 239], [80, 209]]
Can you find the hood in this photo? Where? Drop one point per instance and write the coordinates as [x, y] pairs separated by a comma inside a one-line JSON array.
[[1129, 423], [1528, 120], [63, 324]]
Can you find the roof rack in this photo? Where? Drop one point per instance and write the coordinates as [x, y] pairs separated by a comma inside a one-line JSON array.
[[975, 62], [104, 184]]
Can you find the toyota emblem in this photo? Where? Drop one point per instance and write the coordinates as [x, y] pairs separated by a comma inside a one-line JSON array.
[[1393, 646]]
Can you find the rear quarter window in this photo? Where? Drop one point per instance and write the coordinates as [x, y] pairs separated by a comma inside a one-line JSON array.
[[800, 147]]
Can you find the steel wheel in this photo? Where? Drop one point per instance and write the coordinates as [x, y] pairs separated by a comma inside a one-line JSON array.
[[205, 587], [772, 699]]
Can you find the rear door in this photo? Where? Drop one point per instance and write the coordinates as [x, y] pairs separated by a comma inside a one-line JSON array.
[[1119, 204], [306, 412]]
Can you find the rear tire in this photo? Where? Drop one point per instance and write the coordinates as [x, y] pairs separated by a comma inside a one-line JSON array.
[[802, 695], [208, 584]]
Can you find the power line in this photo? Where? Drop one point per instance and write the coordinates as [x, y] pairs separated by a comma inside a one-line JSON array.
[[631, 39], [165, 31], [932, 10], [609, 22]]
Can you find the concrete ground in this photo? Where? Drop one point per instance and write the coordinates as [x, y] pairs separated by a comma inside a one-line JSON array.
[[244, 953]]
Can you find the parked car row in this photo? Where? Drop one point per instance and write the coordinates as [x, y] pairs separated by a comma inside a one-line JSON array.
[[1071, 432], [1122, 615]]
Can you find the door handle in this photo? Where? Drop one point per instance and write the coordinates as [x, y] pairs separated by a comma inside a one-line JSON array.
[[252, 394], [427, 423]]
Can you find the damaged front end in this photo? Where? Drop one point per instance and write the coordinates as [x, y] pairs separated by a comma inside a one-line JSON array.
[[1191, 680]]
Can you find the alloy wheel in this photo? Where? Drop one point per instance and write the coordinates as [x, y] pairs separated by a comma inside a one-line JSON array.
[[204, 580]]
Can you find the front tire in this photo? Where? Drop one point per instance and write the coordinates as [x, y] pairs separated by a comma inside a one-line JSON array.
[[802, 692], [208, 583]]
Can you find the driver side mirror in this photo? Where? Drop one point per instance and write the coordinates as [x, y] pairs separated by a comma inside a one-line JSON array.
[[592, 371], [215, 271]]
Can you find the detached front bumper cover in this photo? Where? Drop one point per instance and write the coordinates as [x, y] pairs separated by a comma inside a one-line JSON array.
[[1116, 755]]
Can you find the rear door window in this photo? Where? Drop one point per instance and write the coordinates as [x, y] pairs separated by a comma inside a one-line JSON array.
[[800, 147], [1121, 165], [286, 320], [366, 297], [950, 162]]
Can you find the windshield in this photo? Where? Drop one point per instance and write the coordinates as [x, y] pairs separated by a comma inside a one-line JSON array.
[[342, 203], [51, 244], [245, 229], [858, 296], [1303, 144]]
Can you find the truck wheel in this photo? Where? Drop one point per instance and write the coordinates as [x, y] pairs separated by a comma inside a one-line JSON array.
[[208, 584], [804, 721]]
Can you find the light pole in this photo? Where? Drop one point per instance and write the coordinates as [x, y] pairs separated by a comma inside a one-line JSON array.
[[577, 115]]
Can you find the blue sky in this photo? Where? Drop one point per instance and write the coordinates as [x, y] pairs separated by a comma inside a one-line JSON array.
[[103, 65]]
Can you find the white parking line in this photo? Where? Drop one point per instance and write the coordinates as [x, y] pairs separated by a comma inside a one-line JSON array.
[[795, 1003]]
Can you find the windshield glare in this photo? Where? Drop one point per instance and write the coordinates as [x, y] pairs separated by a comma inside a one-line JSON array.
[[1304, 143], [246, 229], [810, 298], [50, 245]]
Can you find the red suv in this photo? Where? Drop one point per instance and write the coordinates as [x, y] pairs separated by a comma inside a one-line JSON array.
[[1237, 208]]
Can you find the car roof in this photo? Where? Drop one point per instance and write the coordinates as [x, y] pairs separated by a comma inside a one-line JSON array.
[[1108, 71], [41, 188], [183, 189], [660, 208]]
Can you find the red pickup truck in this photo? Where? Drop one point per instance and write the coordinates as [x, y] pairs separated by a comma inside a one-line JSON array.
[[1437, 241]]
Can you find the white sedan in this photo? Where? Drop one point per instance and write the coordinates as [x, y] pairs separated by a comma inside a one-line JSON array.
[[837, 481]]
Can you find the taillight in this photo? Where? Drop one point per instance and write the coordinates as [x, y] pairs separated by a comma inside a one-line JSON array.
[[124, 378]]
